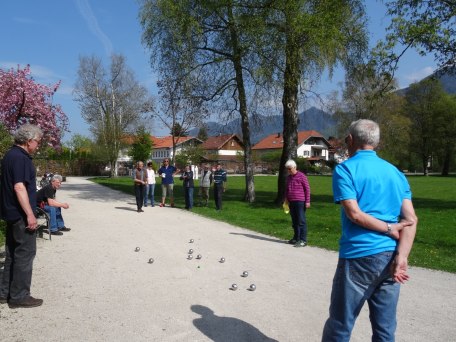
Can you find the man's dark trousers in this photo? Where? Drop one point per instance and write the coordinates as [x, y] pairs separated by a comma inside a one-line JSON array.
[[218, 191], [20, 250], [139, 193]]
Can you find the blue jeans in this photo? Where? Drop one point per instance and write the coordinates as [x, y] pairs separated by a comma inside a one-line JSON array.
[[188, 193], [149, 193], [55, 216], [298, 220], [356, 281]]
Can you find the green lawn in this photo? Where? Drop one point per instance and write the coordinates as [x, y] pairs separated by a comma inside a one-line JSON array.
[[434, 199]]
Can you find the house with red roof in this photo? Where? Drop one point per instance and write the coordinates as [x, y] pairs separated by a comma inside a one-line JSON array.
[[226, 149], [311, 145], [163, 146]]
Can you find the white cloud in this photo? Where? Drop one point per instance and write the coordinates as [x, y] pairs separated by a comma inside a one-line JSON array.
[[92, 22], [40, 74], [418, 75]]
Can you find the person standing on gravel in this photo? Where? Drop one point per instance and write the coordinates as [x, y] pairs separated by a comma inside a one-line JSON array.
[[205, 185], [219, 186], [140, 178], [374, 246], [297, 195], [18, 204], [167, 173]]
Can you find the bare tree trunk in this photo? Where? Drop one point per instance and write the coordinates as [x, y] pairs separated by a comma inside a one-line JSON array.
[[249, 195], [290, 112]]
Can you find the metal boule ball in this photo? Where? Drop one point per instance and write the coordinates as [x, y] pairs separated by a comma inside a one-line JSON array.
[[137, 249], [199, 256], [245, 274], [234, 287], [151, 260], [222, 260], [190, 251], [252, 287], [191, 240], [190, 257]]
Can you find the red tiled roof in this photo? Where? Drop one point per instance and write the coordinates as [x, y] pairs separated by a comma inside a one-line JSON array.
[[216, 143], [167, 142], [275, 141]]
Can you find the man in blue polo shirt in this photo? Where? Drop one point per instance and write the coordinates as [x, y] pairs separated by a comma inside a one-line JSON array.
[[18, 204], [378, 228], [167, 173]]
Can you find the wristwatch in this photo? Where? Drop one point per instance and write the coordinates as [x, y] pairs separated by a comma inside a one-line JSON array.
[[390, 229]]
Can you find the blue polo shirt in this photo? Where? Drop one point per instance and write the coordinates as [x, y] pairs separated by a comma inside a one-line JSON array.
[[17, 167], [379, 188], [168, 171]]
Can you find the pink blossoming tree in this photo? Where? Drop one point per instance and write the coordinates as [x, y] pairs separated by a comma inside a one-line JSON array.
[[23, 100]]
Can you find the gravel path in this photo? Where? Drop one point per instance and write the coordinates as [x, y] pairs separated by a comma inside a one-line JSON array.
[[97, 288]]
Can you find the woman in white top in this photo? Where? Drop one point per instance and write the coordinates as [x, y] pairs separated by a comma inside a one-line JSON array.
[[150, 184]]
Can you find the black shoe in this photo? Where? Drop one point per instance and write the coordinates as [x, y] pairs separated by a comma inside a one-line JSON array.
[[64, 229], [292, 241], [145, 205], [3, 300], [30, 302], [57, 233]]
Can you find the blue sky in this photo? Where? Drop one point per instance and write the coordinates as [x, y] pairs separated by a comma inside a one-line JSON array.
[[50, 35]]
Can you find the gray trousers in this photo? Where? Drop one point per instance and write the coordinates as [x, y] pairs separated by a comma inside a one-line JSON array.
[[20, 250]]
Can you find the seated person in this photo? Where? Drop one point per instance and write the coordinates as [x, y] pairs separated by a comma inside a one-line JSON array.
[[46, 196]]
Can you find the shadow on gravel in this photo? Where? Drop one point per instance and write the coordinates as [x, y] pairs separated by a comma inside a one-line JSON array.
[[260, 237], [226, 329], [125, 208]]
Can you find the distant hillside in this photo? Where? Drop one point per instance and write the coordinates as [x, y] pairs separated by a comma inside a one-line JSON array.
[[311, 119], [448, 82]]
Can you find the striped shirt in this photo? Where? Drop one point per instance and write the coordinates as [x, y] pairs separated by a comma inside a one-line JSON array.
[[298, 188]]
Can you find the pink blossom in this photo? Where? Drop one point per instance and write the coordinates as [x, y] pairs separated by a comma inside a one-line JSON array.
[[23, 100]]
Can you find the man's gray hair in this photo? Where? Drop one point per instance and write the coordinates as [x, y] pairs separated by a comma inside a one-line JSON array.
[[365, 132], [290, 163], [57, 177], [27, 132]]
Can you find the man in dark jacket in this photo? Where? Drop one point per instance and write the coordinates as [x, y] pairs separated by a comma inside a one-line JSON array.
[[18, 204]]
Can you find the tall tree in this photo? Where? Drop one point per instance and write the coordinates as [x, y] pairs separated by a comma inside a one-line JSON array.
[[111, 101], [180, 109], [445, 122], [425, 113], [23, 100], [428, 26], [305, 37], [141, 147], [206, 37]]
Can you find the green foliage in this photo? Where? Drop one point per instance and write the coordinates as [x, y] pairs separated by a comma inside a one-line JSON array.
[[433, 198], [190, 155], [428, 26], [142, 145], [6, 140], [178, 131]]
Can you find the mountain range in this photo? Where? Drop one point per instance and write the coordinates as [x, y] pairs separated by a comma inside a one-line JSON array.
[[311, 119]]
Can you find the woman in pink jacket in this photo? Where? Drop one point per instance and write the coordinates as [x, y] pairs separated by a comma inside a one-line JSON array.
[[297, 195]]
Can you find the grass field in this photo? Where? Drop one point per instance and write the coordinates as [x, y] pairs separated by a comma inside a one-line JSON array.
[[434, 199]]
